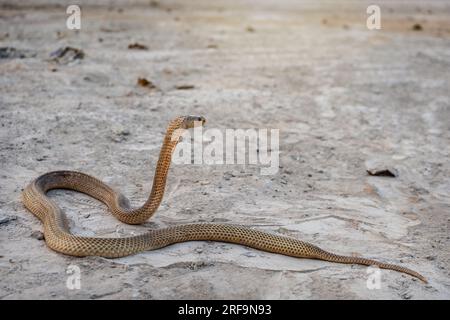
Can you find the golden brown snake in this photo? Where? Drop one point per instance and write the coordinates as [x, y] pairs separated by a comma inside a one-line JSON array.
[[59, 238]]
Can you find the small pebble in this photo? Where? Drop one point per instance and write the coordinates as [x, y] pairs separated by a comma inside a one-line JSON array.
[[249, 254], [406, 296], [417, 27], [37, 235], [6, 219], [228, 175]]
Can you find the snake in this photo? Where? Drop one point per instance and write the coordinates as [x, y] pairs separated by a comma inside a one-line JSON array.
[[58, 237]]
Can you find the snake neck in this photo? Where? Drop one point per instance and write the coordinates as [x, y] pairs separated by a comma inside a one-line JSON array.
[[140, 215], [171, 140]]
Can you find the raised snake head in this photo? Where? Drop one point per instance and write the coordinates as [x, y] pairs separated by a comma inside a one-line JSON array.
[[192, 121]]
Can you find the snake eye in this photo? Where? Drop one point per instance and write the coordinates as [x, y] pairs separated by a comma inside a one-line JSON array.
[[201, 119]]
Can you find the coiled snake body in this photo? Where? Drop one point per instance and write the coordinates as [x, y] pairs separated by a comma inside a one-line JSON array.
[[59, 238]]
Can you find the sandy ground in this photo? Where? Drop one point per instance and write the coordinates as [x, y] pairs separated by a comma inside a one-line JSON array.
[[342, 96]]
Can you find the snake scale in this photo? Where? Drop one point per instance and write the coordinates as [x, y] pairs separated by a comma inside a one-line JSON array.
[[59, 238]]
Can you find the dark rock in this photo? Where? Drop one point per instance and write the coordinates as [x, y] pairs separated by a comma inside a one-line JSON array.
[[6, 219], [417, 27], [13, 53], [143, 82], [37, 235], [66, 55], [137, 46]]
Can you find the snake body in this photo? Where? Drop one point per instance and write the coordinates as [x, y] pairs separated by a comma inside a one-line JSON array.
[[59, 238]]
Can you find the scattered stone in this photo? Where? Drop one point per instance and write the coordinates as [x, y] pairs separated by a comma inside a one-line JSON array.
[[120, 134], [41, 158], [145, 83], [431, 258], [382, 172], [137, 46], [249, 254], [228, 175], [199, 250], [406, 296], [199, 265], [87, 215], [38, 235], [185, 87], [13, 53], [6, 219], [417, 27], [377, 167], [250, 29], [67, 55]]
